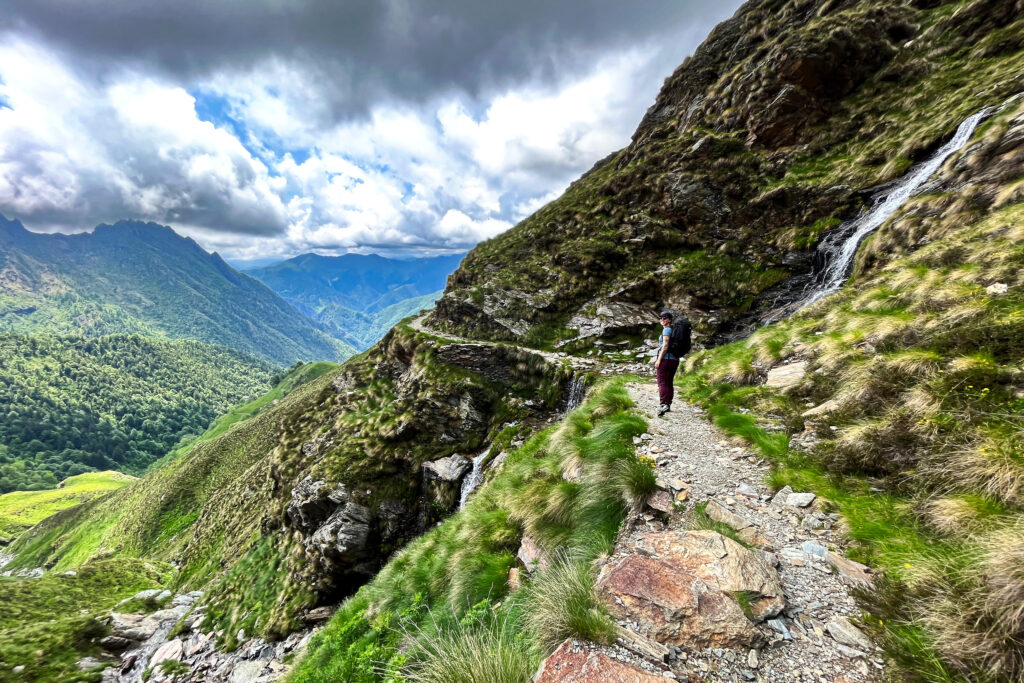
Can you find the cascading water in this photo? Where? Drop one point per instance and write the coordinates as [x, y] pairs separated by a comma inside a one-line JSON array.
[[576, 393], [838, 250], [471, 482]]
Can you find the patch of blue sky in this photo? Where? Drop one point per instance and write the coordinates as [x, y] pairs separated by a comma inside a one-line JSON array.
[[269, 147], [4, 102]]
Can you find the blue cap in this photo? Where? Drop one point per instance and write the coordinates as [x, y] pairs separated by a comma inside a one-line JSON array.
[[666, 314]]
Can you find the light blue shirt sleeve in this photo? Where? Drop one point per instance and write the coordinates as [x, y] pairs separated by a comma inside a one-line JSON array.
[[667, 332]]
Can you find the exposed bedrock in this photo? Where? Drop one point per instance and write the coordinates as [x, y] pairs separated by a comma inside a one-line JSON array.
[[383, 457]]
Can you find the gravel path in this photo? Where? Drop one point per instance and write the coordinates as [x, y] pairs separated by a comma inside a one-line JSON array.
[[692, 456]]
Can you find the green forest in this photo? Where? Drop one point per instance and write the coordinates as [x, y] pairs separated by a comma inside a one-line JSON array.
[[70, 405]]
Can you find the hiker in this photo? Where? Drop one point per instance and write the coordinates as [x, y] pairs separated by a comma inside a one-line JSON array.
[[675, 342]]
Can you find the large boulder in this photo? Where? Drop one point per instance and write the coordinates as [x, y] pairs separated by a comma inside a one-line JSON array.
[[721, 563], [785, 377], [674, 606], [342, 539], [133, 627]]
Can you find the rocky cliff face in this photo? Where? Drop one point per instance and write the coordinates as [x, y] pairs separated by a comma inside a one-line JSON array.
[[765, 138], [381, 456]]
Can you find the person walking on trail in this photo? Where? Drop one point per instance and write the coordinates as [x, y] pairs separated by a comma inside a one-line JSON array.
[[675, 341]]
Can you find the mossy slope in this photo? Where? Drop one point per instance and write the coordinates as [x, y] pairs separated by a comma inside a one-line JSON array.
[[220, 507], [445, 595], [47, 624]]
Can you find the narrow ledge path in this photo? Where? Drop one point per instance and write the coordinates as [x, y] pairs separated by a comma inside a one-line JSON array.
[[814, 638]]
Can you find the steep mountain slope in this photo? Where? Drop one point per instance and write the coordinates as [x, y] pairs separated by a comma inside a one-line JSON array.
[[358, 296], [907, 410], [72, 404], [301, 503], [142, 278], [759, 143]]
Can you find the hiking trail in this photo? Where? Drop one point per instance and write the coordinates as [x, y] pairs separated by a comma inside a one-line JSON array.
[[665, 580]]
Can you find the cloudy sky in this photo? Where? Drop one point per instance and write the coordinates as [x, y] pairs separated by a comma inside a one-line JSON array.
[[270, 128]]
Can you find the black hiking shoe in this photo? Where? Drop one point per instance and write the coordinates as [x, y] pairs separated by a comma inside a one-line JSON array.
[[662, 410]]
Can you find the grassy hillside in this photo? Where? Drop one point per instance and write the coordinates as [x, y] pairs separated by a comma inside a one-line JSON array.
[[73, 404], [180, 484], [221, 505], [284, 383], [362, 330], [47, 624], [143, 278], [918, 370], [21, 510], [758, 144]]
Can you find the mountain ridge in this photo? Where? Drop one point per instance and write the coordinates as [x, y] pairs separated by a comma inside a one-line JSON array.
[[144, 278], [351, 294]]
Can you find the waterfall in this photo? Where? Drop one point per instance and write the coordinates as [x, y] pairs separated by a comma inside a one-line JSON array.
[[838, 249], [577, 392], [471, 482]]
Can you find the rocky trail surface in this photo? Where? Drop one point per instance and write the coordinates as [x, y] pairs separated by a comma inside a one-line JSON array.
[[692, 604], [141, 647]]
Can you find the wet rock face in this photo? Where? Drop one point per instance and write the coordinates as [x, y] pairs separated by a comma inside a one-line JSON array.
[[336, 531], [442, 480], [380, 457]]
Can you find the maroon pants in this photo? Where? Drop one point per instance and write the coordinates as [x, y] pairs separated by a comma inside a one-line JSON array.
[[666, 373]]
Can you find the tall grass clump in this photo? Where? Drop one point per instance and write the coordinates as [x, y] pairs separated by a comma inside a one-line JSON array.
[[476, 648], [562, 603]]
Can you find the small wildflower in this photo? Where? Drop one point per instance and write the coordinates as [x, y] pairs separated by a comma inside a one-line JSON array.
[[907, 565]]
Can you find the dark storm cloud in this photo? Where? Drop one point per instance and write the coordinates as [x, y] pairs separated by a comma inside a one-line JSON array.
[[364, 50]]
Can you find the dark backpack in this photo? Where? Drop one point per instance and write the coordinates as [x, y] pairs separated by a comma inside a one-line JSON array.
[[679, 342]]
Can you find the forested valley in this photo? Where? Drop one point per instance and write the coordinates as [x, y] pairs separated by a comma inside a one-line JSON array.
[[71, 405]]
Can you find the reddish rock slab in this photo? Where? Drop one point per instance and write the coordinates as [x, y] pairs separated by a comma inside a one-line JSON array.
[[721, 563], [851, 573], [673, 606], [532, 555], [574, 664]]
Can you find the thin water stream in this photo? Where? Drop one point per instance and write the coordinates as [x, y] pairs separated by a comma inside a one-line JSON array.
[[838, 250], [471, 482]]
